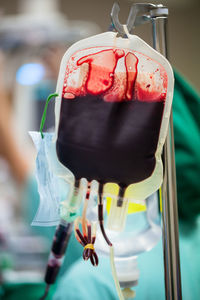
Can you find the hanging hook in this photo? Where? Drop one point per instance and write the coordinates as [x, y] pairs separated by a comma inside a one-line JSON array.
[[115, 19], [138, 8], [149, 10]]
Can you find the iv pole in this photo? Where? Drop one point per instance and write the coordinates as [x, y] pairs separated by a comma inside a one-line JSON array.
[[170, 235]]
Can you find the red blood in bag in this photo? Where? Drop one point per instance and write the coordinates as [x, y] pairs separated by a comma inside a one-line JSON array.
[[116, 74], [101, 70], [131, 62]]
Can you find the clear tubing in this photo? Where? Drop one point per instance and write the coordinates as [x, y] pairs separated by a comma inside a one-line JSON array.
[[173, 289], [114, 274], [112, 261]]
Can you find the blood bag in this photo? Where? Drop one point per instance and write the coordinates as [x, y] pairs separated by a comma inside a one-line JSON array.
[[112, 112]]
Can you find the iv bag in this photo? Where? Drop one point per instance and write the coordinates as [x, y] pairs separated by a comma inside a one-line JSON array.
[[112, 112]]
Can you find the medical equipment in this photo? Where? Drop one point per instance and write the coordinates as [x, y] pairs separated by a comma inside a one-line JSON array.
[[84, 64]]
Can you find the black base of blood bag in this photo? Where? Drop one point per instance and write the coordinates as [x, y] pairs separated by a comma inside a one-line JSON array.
[[109, 141]]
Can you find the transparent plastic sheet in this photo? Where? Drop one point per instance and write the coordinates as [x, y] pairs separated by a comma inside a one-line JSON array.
[[52, 186]]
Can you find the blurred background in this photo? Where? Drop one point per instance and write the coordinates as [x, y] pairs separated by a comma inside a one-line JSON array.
[[34, 34], [183, 32]]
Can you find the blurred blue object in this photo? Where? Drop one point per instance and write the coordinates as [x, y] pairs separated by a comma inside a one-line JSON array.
[[30, 73]]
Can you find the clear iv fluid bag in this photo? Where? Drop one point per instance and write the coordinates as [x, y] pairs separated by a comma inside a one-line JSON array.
[[141, 233]]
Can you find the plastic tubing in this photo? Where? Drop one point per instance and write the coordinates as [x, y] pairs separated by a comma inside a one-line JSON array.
[[101, 223], [114, 274]]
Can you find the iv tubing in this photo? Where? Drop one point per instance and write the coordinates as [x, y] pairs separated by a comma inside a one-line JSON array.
[[112, 262], [100, 215], [45, 112], [114, 274]]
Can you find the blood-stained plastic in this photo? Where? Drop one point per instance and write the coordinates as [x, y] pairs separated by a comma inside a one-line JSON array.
[[112, 112]]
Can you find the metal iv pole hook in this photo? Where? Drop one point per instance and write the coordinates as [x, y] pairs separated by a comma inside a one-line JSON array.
[[148, 10]]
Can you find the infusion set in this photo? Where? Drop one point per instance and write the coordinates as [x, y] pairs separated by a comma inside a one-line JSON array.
[[100, 172]]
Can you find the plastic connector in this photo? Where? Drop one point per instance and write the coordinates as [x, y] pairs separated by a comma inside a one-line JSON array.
[[70, 207], [79, 195], [92, 212], [118, 213]]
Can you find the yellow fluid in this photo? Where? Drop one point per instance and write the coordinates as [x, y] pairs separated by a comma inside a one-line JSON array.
[[112, 189]]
